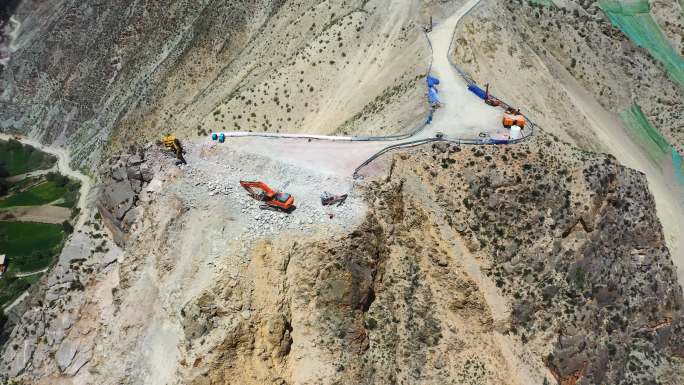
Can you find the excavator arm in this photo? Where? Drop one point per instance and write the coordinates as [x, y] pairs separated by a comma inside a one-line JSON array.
[[258, 190], [272, 199]]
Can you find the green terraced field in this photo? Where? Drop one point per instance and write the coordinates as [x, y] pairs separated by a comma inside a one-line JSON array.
[[16, 159], [41, 194], [30, 246]]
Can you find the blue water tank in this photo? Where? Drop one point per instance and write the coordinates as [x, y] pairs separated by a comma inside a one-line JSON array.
[[214, 136], [222, 137]]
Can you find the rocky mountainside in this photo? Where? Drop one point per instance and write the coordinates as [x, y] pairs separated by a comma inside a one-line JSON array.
[[480, 265], [94, 76], [553, 48], [543, 262], [582, 79]]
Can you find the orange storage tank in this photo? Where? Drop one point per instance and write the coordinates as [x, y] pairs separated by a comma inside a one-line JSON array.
[[508, 120], [520, 121]]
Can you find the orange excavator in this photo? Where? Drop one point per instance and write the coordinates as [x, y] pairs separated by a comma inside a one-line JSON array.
[[273, 200]]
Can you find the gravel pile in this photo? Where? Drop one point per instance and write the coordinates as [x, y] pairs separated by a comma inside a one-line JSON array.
[[213, 174]]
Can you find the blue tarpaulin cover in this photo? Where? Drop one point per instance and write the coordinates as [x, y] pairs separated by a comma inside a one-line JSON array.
[[432, 81], [477, 91], [429, 119], [433, 97]]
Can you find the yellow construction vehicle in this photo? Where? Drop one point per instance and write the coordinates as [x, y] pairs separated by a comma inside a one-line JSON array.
[[172, 143]]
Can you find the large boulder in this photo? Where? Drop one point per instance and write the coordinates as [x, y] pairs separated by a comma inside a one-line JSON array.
[[133, 173], [119, 198], [65, 354], [135, 160], [119, 173]]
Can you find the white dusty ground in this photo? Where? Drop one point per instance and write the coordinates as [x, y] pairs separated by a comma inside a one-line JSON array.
[[217, 170], [463, 115]]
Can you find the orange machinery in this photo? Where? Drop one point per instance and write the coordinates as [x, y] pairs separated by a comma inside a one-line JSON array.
[[273, 200], [511, 117], [489, 99]]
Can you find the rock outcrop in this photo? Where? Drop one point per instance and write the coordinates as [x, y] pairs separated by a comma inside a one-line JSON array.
[[129, 185], [573, 240]]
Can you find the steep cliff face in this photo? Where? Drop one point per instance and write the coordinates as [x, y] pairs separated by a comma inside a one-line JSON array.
[[572, 240], [94, 76], [481, 265]]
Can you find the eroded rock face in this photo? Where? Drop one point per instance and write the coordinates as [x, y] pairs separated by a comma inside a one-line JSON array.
[[574, 38], [470, 262], [120, 201], [574, 241], [373, 306]]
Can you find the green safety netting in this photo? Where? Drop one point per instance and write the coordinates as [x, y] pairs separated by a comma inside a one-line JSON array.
[[655, 145], [633, 17], [546, 3]]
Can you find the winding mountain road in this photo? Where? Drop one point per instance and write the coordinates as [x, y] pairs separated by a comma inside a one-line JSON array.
[[463, 118]]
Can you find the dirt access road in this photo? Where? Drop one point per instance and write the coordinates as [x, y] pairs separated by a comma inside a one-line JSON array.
[[667, 193], [463, 116]]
